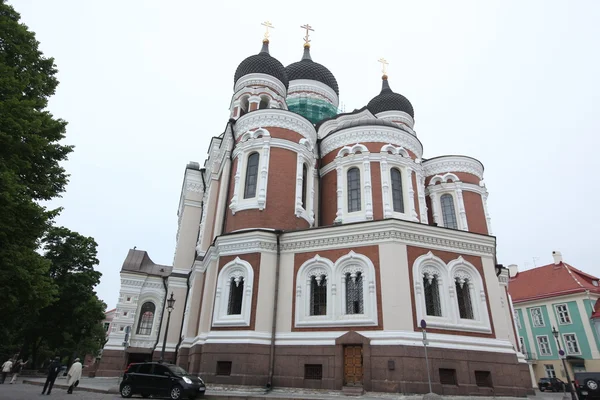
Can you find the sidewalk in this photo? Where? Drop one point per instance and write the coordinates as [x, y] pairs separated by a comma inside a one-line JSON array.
[[220, 392]]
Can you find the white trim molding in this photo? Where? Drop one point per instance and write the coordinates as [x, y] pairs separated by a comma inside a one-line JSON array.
[[258, 79], [435, 192], [335, 280], [398, 117], [237, 270], [314, 88], [429, 266], [274, 118], [443, 164], [256, 141], [356, 156], [305, 211], [397, 157]]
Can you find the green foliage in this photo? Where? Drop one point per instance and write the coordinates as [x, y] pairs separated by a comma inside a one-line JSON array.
[[47, 302]]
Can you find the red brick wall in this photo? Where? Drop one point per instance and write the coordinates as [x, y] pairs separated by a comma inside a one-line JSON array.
[[328, 198], [475, 213], [446, 256], [254, 260], [281, 197], [372, 252], [377, 191]]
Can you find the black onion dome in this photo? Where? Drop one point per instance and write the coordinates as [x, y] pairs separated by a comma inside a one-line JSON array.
[[262, 63], [308, 69], [387, 100]]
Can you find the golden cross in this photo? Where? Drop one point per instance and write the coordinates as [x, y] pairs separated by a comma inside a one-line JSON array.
[[308, 28], [267, 25], [384, 64]]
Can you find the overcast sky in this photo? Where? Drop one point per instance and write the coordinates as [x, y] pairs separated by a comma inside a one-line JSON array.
[[144, 85]]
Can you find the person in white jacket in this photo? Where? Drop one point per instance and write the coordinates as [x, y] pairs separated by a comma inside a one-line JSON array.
[[6, 368], [74, 375]]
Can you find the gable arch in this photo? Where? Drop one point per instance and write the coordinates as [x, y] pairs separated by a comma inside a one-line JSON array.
[[236, 272]]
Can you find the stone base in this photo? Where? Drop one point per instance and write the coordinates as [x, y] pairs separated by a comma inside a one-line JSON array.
[[114, 362], [353, 390]]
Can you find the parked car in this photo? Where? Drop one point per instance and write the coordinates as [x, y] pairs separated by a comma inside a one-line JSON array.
[[587, 384], [160, 379], [551, 384]]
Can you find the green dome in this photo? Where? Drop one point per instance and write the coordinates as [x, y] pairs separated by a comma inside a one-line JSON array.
[[314, 110]]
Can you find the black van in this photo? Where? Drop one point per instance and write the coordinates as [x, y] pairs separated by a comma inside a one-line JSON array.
[[160, 379]]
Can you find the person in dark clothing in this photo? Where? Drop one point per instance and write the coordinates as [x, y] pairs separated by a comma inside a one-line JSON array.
[[53, 371]]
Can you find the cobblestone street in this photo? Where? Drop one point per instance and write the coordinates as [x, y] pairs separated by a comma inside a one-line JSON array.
[[20, 391]]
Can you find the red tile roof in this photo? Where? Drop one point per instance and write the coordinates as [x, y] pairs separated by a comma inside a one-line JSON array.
[[549, 281]]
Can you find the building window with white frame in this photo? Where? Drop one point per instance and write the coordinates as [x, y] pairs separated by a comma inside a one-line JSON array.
[[251, 176], [517, 320], [354, 200], [397, 196], [463, 297], [550, 373], [318, 295], [432, 295], [304, 185], [236, 295], [571, 343], [563, 314], [146, 318], [537, 317], [448, 211], [544, 346], [354, 293]]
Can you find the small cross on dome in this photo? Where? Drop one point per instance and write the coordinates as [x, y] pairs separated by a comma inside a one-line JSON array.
[[306, 37], [384, 65], [267, 25]]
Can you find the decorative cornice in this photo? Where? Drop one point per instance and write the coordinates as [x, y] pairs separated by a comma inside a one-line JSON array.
[[394, 116], [260, 80], [272, 117], [307, 85], [194, 187], [374, 133], [333, 124], [443, 164]]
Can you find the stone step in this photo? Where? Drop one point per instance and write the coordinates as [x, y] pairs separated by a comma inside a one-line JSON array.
[[353, 390]]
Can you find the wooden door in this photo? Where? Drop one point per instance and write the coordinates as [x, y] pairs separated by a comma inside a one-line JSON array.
[[353, 371]]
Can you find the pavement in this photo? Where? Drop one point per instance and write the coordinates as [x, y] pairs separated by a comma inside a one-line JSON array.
[[108, 389]]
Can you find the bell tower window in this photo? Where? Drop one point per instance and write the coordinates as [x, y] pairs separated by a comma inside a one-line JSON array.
[[264, 103], [354, 201], [448, 211], [397, 197], [251, 176]]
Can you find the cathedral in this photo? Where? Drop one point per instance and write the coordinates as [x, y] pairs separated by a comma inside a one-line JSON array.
[[311, 245]]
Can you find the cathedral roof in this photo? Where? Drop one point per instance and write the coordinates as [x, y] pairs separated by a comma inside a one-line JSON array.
[[262, 63], [306, 68], [387, 100], [138, 261]]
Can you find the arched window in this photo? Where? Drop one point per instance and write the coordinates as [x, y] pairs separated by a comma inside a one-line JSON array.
[[236, 295], [354, 293], [463, 296], [318, 295], [448, 211], [146, 319], [354, 203], [432, 295], [304, 185], [251, 176], [264, 102], [244, 104], [397, 190]]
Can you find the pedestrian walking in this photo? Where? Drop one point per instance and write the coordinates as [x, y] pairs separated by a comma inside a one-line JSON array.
[[53, 371], [6, 368], [16, 370], [74, 375]]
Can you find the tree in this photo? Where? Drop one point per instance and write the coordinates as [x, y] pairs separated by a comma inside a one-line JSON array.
[[30, 171], [71, 325]]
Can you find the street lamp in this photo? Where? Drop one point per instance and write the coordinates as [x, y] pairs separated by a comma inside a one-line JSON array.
[[561, 354], [170, 306], [425, 343]]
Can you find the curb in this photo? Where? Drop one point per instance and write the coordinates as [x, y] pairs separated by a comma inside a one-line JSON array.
[[77, 389]]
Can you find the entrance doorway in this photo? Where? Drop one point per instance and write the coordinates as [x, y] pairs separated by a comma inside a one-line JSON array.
[[353, 365]]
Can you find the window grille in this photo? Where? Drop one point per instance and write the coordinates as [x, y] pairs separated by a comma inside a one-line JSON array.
[[563, 314], [354, 203], [313, 371], [571, 343], [447, 376], [236, 294], [463, 296], [318, 295], [483, 378], [304, 184], [397, 197], [146, 319], [432, 295], [251, 176], [448, 211], [354, 294], [223, 367]]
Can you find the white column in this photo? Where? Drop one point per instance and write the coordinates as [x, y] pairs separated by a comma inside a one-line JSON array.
[[299, 169], [236, 184], [461, 207], [340, 204], [421, 194], [368, 188], [488, 220], [411, 195], [264, 174], [437, 213], [385, 186]]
